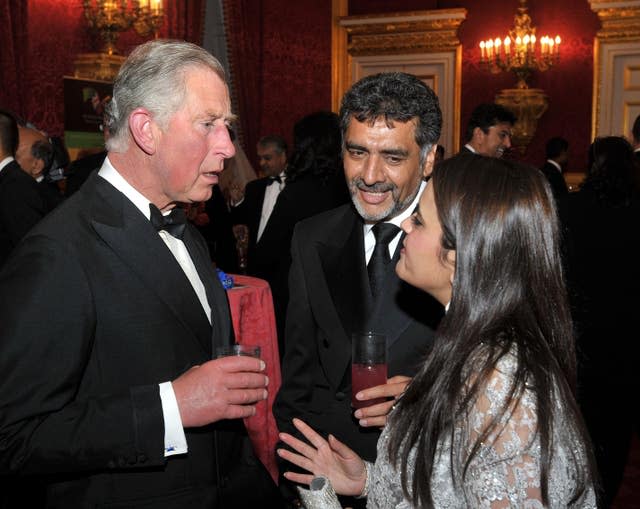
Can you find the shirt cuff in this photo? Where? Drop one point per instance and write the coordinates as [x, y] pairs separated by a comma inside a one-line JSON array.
[[174, 440]]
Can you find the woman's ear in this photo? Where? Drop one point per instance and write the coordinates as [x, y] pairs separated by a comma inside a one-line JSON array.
[[143, 130], [451, 261]]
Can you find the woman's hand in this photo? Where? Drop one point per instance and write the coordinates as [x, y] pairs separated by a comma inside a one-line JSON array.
[[376, 415], [331, 459]]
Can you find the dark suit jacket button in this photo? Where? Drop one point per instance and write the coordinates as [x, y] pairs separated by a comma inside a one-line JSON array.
[[122, 462], [111, 464], [325, 343], [340, 395], [142, 458]]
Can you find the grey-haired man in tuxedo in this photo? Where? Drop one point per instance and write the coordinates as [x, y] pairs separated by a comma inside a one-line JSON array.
[[111, 311]]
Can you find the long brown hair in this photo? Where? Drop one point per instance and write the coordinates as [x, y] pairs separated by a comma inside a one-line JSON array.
[[508, 294]]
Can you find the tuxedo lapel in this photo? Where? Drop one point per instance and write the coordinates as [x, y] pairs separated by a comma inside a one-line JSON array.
[[216, 295], [132, 237], [342, 259]]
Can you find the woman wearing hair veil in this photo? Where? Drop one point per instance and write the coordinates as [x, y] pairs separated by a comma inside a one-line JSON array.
[[490, 420]]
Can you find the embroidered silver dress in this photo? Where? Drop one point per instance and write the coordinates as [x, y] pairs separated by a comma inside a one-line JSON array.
[[506, 470], [505, 473]]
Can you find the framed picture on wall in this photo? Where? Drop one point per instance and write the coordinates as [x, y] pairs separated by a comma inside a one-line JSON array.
[[84, 103]]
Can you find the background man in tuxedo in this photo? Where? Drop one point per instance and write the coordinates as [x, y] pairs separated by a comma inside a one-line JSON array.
[[255, 207], [390, 123], [111, 311], [557, 150], [35, 155], [21, 205], [489, 130]]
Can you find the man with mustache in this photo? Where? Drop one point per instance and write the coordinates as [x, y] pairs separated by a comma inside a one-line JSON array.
[[342, 279], [489, 130]]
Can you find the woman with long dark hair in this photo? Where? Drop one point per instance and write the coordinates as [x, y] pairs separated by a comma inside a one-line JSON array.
[[490, 420]]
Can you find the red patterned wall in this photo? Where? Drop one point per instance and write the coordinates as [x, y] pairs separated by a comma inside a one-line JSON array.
[[48, 37], [296, 65]]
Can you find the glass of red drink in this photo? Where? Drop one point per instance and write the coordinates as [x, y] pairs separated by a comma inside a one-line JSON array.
[[368, 365]]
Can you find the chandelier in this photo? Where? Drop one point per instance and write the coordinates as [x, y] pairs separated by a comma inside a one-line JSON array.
[[110, 17], [522, 53], [518, 51]]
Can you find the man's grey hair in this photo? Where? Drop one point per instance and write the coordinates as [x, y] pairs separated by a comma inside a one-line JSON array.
[[153, 77]]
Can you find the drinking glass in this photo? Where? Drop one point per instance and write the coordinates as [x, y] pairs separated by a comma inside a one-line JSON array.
[[368, 365], [237, 349]]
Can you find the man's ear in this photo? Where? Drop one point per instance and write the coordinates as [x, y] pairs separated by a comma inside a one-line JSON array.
[[478, 135], [427, 168], [144, 130]]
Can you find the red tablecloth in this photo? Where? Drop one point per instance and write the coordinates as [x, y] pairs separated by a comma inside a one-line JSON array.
[[254, 323]]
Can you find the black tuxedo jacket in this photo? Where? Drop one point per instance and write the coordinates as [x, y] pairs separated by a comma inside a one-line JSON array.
[[270, 257], [80, 169], [21, 207], [556, 181], [96, 312], [330, 299]]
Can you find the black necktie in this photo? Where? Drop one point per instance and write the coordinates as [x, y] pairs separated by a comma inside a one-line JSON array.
[[173, 223], [377, 268], [275, 178]]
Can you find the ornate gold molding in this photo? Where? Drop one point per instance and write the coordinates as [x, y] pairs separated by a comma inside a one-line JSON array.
[[403, 32], [97, 66], [620, 24], [391, 41], [620, 20], [339, 71]]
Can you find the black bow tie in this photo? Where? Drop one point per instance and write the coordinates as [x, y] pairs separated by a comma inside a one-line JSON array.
[[275, 178], [173, 223]]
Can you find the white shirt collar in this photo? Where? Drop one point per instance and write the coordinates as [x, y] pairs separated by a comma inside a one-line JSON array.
[[111, 175], [552, 162], [5, 162], [470, 148]]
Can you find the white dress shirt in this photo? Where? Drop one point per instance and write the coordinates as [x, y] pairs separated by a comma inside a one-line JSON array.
[[370, 238], [271, 193], [553, 163], [5, 161], [175, 441]]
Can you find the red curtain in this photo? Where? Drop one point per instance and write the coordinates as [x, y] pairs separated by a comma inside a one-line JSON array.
[[185, 20], [243, 28], [13, 41]]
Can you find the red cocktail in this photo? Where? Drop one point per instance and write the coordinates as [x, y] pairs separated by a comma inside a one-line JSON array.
[[364, 376]]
